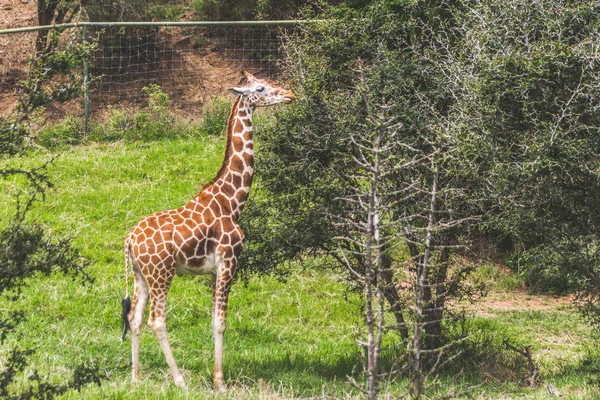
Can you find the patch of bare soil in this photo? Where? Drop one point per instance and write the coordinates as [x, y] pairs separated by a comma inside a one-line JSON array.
[[190, 75], [17, 13], [15, 49], [520, 301]]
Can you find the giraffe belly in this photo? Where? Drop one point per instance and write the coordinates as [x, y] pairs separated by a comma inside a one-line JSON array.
[[197, 265]]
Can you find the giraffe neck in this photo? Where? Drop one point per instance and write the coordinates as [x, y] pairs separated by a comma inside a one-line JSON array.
[[232, 183]]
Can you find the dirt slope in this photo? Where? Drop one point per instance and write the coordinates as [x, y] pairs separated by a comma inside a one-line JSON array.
[[202, 70]]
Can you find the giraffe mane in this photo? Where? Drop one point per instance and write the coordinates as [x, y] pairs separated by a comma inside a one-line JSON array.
[[228, 150]]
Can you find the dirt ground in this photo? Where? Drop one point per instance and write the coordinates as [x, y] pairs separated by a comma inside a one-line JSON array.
[[17, 13], [521, 301], [15, 50]]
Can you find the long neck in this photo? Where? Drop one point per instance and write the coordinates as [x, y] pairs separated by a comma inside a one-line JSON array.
[[234, 179]]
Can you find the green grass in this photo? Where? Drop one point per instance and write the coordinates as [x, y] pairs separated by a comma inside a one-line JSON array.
[[293, 339], [274, 332], [501, 280]]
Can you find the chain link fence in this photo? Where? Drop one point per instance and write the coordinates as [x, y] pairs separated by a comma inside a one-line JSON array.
[[190, 61]]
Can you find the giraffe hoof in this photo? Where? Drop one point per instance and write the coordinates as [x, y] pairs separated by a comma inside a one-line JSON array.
[[181, 383], [221, 388], [219, 382]]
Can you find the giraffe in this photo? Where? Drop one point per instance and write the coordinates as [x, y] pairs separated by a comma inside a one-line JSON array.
[[201, 237]]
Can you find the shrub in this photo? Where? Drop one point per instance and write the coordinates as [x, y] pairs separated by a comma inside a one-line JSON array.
[[214, 117], [153, 122], [69, 131]]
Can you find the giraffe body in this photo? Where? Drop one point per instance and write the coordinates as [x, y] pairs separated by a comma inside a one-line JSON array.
[[201, 237]]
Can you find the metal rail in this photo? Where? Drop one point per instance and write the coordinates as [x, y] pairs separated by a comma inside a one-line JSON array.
[[160, 23]]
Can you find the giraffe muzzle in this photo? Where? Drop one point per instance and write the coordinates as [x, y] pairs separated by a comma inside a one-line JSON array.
[[288, 97]]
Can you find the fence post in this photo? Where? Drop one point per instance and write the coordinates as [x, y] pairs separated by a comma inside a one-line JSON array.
[[86, 93]]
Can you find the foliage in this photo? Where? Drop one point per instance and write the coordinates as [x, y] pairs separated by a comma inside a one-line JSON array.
[[154, 122], [230, 10], [129, 10], [536, 96], [55, 75], [214, 116], [69, 131], [28, 250], [500, 101], [519, 100], [165, 11], [13, 137]]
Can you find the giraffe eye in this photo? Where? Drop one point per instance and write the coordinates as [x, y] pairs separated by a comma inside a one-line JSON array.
[[260, 88]]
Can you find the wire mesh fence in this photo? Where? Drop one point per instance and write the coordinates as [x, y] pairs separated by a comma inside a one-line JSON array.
[[189, 62]]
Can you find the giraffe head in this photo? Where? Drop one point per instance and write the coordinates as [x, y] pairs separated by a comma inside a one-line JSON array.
[[261, 93]]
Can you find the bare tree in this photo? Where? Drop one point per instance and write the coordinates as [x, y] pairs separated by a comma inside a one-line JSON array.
[[367, 231]]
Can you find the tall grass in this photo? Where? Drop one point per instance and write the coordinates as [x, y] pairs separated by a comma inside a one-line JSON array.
[[153, 122]]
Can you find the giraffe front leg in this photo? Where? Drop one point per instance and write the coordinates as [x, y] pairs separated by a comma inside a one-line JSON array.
[[221, 287]]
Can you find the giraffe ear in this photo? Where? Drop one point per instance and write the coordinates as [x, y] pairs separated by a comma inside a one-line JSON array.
[[238, 91], [247, 76]]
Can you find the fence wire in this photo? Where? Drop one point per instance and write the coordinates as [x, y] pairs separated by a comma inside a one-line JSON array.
[[190, 63]]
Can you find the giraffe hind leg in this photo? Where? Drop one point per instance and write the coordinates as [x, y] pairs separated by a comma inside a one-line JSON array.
[[135, 318], [157, 322]]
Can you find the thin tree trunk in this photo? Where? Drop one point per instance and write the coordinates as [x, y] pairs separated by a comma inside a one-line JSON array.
[[434, 301], [422, 284], [391, 293], [49, 13], [433, 323], [373, 275], [45, 11], [370, 320]]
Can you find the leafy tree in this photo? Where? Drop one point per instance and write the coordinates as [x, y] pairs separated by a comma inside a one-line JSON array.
[[497, 106], [538, 100], [316, 161]]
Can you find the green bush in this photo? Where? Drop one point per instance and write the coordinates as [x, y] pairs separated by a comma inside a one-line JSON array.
[[69, 131], [480, 350], [154, 122], [214, 116], [560, 267], [165, 12], [143, 125]]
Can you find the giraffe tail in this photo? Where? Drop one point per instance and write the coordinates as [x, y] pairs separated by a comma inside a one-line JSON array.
[[126, 303]]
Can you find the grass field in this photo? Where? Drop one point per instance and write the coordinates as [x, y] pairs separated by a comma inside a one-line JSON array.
[[293, 339]]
